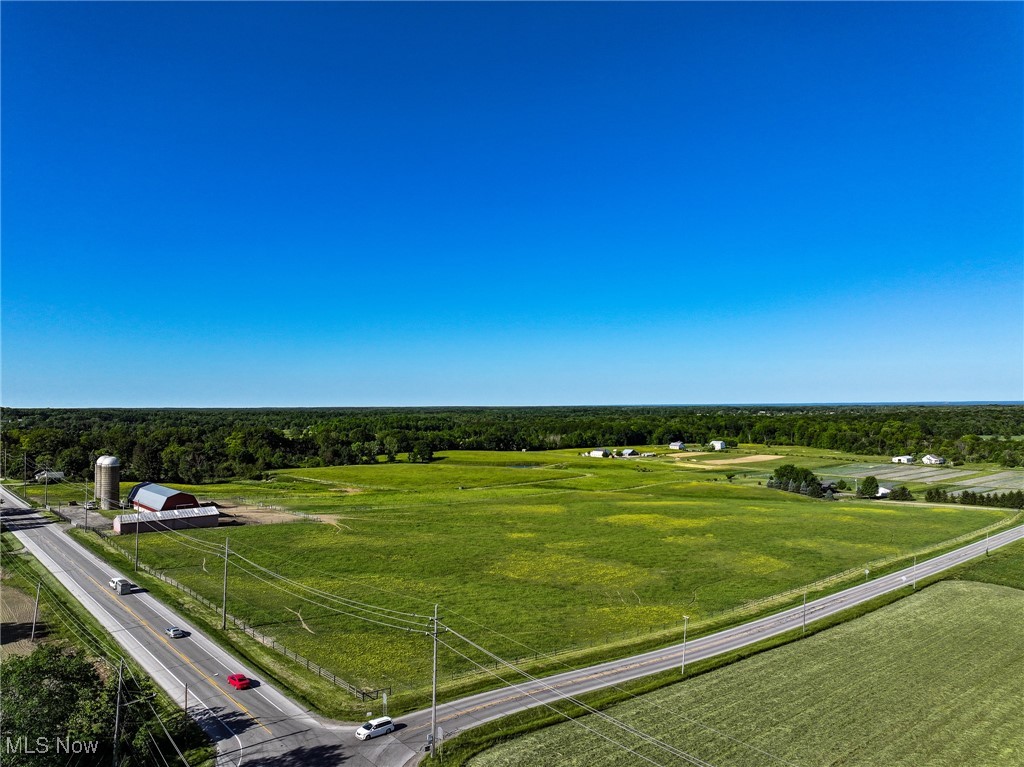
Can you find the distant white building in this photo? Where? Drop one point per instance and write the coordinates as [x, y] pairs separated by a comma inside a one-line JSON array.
[[883, 492], [598, 453], [718, 444], [677, 445], [934, 460], [44, 476], [629, 452], [903, 459], [648, 455]]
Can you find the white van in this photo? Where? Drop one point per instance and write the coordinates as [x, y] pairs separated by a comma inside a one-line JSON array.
[[380, 726], [121, 585]]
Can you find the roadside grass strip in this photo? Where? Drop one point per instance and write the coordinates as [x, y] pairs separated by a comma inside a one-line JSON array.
[[933, 679]]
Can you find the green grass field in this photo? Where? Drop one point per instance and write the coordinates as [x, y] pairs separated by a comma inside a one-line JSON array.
[[529, 553], [934, 679]]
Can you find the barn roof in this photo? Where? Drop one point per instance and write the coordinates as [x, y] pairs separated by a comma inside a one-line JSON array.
[[163, 516], [156, 496]]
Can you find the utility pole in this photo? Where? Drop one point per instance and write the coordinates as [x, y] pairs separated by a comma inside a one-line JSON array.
[[224, 597], [24, 474], [117, 714], [85, 505], [433, 691], [138, 521], [986, 544], [186, 697], [915, 571], [686, 621], [35, 611], [46, 487]]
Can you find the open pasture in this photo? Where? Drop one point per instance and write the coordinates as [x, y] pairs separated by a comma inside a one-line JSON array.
[[933, 679], [567, 553]]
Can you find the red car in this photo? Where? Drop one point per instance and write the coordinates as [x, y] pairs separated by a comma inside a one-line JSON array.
[[239, 681]]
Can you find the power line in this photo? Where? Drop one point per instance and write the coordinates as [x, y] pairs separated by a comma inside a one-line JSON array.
[[384, 613], [644, 699], [573, 719], [601, 714]]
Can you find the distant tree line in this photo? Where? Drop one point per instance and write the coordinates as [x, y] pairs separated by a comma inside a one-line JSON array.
[[178, 445], [1014, 499]]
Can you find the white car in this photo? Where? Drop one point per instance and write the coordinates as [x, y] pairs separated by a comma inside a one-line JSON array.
[[380, 726], [174, 632]]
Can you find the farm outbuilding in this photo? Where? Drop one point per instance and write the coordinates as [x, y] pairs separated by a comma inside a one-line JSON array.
[[149, 496], [718, 444], [677, 445], [903, 459], [172, 519], [49, 476], [629, 452], [933, 460], [598, 453]]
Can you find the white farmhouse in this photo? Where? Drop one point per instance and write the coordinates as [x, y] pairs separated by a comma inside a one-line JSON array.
[[718, 444], [933, 460], [903, 459], [598, 454]]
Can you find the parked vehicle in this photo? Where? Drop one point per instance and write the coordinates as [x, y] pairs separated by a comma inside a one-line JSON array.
[[380, 726], [239, 681], [121, 585], [174, 632], [90, 505]]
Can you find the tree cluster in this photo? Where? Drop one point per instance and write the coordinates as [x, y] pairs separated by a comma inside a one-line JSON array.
[[868, 488], [900, 493], [1013, 499], [57, 691], [796, 479]]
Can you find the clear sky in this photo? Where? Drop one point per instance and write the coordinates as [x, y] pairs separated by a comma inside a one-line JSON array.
[[236, 204]]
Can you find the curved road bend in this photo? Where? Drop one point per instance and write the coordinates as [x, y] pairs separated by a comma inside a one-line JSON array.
[[262, 726]]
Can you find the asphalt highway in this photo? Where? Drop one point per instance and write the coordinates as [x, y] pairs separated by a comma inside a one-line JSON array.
[[262, 726]]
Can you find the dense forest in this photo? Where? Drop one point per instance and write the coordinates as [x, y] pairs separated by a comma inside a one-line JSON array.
[[203, 445]]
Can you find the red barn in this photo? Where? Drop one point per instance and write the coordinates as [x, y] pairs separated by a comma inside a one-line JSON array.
[[149, 496]]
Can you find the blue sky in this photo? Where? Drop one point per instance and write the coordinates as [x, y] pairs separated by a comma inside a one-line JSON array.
[[235, 204]]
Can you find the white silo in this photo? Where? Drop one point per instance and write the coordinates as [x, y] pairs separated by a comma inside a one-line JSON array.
[[108, 482]]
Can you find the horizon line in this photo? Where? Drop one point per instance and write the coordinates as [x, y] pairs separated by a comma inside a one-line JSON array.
[[917, 403]]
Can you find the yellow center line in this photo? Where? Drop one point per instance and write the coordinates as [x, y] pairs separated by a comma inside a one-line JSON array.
[[177, 652]]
